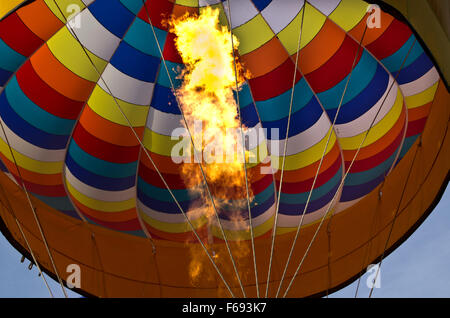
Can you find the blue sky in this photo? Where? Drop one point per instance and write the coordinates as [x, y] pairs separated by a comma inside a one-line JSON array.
[[418, 268]]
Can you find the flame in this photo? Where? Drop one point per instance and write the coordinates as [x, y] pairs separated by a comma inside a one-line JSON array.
[[206, 95]]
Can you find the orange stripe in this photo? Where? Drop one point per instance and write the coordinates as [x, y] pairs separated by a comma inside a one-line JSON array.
[[265, 59], [324, 45], [371, 34], [379, 145], [56, 75], [33, 177], [108, 131], [419, 112], [40, 19]]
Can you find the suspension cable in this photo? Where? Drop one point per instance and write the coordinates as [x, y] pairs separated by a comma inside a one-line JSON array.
[[244, 156], [195, 152], [274, 230], [345, 176], [320, 164], [149, 157]]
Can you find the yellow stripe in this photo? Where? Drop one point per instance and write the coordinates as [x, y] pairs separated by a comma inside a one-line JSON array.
[[307, 157], [64, 6], [349, 13], [104, 105], [104, 206], [253, 34], [184, 227], [188, 3], [378, 130], [245, 234], [163, 145], [23, 161], [173, 227], [7, 5], [423, 98], [314, 20], [69, 52]]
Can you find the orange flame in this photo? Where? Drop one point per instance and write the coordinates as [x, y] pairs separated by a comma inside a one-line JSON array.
[[207, 96]]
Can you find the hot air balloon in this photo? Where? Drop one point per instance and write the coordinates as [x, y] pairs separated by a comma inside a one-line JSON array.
[[353, 99]]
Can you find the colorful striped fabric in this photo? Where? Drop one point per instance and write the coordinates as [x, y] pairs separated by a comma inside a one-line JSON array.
[[61, 106]]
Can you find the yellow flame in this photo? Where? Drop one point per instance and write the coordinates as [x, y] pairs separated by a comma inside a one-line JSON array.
[[206, 95]]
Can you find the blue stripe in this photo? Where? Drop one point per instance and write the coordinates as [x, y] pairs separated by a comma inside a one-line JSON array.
[[361, 77], [394, 62], [365, 100], [300, 120], [278, 107], [112, 15], [97, 181], [164, 100], [26, 131], [35, 115], [317, 193], [135, 63], [4, 76], [416, 70], [99, 166]]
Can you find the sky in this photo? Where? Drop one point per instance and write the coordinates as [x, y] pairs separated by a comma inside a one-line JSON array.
[[418, 268]]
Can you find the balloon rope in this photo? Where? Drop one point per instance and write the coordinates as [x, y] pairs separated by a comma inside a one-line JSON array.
[[195, 152], [11, 211], [274, 230], [367, 249], [243, 152], [147, 154], [38, 223], [320, 163], [345, 176]]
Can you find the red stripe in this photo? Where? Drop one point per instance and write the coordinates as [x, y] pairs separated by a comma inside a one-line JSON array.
[[151, 177], [18, 37], [391, 40], [416, 127], [379, 158], [158, 10], [44, 96], [274, 83], [305, 186], [102, 149], [170, 52], [336, 68]]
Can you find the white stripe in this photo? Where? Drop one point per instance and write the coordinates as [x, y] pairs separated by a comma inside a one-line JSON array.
[[29, 150], [303, 140], [242, 11], [362, 123], [421, 84], [177, 218], [97, 194], [325, 6], [94, 36], [279, 13], [125, 87]]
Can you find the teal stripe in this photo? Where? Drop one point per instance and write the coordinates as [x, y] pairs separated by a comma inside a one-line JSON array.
[[162, 194], [245, 97], [99, 166], [35, 115], [10, 60], [141, 37], [278, 107], [58, 203], [300, 198], [361, 76], [407, 144], [174, 71], [133, 5], [394, 62], [358, 178]]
